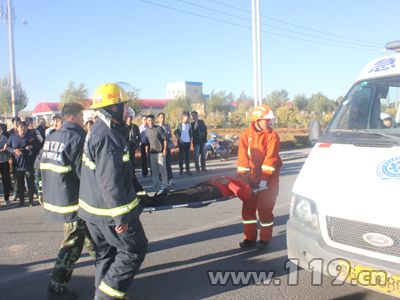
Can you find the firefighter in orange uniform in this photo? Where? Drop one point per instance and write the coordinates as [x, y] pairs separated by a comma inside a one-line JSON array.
[[259, 160]]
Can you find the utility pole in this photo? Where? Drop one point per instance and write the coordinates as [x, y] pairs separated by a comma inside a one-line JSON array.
[[254, 52], [9, 19], [255, 5], [259, 53]]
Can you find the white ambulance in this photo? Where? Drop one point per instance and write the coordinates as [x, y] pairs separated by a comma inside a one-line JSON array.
[[345, 211]]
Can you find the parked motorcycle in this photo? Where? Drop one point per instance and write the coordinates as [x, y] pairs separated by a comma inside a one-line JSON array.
[[219, 148]]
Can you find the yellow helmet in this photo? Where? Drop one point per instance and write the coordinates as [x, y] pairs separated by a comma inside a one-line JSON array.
[[262, 112], [110, 94]]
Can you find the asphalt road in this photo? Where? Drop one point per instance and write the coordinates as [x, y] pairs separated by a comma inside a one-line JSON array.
[[185, 245]]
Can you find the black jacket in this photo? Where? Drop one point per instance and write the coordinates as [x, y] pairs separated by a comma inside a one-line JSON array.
[[133, 137], [199, 132], [107, 195], [27, 160], [60, 166]]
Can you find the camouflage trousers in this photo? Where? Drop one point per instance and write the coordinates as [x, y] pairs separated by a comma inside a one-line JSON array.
[[76, 236]]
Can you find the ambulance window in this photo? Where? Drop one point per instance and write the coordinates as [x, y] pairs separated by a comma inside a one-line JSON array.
[[355, 109], [372, 105]]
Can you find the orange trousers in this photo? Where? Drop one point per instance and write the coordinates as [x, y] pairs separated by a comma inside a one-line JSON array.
[[263, 203]]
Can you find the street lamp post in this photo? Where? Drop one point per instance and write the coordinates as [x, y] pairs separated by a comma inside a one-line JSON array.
[[255, 5], [9, 18], [14, 99]]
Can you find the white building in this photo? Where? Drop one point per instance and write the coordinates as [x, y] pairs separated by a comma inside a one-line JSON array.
[[191, 89]]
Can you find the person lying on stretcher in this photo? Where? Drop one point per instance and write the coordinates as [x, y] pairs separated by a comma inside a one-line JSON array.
[[213, 188]]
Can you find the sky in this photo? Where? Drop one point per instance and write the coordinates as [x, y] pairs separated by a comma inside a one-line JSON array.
[[149, 43]]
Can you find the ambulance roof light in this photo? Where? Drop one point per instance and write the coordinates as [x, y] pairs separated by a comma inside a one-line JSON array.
[[395, 46]]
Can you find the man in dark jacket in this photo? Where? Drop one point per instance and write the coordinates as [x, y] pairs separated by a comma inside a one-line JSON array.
[[156, 149], [133, 135], [199, 131], [42, 127], [13, 130], [183, 132], [23, 147], [107, 199], [60, 167]]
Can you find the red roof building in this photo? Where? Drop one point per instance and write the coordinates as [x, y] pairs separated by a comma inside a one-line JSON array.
[[154, 103], [47, 110]]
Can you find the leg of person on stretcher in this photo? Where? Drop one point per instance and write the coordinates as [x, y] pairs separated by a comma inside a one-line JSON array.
[[211, 189], [201, 192]]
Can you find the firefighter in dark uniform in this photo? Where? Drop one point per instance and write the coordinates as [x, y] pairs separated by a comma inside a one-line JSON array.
[[60, 163], [107, 199]]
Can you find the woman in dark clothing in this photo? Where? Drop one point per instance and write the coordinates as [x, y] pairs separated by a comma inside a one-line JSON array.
[[24, 147], [4, 165]]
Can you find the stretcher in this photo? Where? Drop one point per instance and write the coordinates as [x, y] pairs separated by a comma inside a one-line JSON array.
[[198, 204]]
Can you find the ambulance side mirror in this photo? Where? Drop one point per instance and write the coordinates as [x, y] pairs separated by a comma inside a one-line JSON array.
[[315, 132]]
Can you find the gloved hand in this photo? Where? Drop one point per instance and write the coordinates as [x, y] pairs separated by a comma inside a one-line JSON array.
[[263, 184]]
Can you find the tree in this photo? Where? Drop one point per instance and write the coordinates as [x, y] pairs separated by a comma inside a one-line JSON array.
[[73, 94], [243, 98], [180, 101], [200, 99], [300, 101], [319, 103], [174, 117], [135, 104], [5, 95], [325, 119], [237, 119], [219, 102], [287, 116], [303, 120], [215, 119], [244, 107], [277, 99]]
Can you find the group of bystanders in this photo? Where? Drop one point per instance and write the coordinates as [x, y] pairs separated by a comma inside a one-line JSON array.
[[156, 144]]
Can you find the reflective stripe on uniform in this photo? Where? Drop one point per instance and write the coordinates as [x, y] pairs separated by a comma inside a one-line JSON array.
[[60, 209], [267, 168], [242, 169], [142, 193], [88, 163], [266, 224], [110, 291], [249, 221], [113, 212], [55, 168], [248, 151], [125, 157]]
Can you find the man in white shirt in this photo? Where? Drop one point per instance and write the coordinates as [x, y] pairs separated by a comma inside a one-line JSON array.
[[142, 129], [183, 132]]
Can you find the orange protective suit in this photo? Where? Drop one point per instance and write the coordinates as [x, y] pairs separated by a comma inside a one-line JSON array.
[[259, 159]]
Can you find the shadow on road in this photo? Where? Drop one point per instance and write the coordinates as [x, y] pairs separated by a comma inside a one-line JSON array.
[[188, 279], [211, 234]]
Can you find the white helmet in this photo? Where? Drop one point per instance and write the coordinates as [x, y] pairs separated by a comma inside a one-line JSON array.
[[386, 116], [130, 112]]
